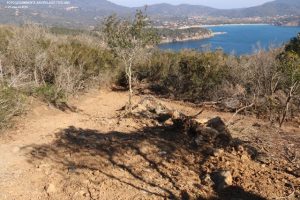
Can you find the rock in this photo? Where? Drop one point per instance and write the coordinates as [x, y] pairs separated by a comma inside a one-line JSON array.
[[206, 180], [96, 173], [296, 173], [162, 153], [240, 148], [150, 108], [207, 134], [215, 133], [169, 122], [289, 169], [202, 121], [217, 124], [222, 179], [244, 158], [218, 152], [176, 115], [140, 108], [263, 158], [230, 104], [50, 189]]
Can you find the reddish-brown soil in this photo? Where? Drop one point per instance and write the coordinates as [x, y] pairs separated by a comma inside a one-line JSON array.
[[92, 153]]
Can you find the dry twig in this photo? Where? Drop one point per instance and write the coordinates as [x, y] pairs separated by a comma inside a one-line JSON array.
[[237, 112]]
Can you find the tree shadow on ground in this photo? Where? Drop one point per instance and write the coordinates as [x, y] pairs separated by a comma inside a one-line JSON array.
[[159, 161], [234, 193]]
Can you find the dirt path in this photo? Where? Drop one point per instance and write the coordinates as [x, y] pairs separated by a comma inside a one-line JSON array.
[[20, 177], [91, 154]]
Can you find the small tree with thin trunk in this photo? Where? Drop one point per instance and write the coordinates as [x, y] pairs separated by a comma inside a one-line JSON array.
[[290, 69], [128, 39]]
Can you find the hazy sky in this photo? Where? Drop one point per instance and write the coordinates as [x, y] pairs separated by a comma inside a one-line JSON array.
[[212, 3]]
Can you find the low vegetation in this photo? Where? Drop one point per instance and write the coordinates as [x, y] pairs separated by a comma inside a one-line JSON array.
[[34, 61], [11, 104], [267, 82], [53, 64]]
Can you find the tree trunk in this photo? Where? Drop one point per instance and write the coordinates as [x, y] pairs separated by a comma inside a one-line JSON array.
[[35, 77], [130, 87], [1, 72], [287, 103]]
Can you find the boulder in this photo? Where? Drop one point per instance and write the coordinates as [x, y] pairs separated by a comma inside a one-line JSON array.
[[214, 132], [230, 104], [217, 124], [152, 109], [222, 179]]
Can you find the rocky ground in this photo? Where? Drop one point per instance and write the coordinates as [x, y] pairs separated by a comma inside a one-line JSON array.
[[91, 150]]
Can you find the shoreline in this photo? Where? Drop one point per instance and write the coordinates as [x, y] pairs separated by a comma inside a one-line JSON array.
[[200, 37], [243, 24], [214, 25]]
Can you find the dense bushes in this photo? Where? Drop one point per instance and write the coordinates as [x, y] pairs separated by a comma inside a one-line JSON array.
[[35, 62], [49, 65], [188, 74], [268, 79]]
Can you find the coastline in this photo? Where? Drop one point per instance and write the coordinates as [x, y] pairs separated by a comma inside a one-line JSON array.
[[214, 25], [200, 37], [243, 24]]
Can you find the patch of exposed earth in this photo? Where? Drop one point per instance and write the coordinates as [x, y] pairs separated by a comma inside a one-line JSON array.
[[92, 153]]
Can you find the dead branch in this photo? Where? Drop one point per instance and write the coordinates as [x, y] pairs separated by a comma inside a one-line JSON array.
[[289, 152], [237, 112], [199, 113]]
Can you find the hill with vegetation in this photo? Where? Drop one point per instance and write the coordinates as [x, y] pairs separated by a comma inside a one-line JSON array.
[[176, 35], [90, 13]]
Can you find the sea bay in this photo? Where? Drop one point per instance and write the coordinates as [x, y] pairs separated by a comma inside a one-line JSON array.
[[239, 39]]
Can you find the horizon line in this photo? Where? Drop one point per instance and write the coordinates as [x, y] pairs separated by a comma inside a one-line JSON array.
[[180, 4]]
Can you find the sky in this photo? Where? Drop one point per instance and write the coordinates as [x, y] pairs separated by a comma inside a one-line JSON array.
[[225, 4]]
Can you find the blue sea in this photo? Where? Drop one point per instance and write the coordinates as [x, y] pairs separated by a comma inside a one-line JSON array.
[[239, 39]]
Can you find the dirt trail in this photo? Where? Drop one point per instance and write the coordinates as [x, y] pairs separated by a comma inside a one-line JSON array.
[[91, 154], [20, 179]]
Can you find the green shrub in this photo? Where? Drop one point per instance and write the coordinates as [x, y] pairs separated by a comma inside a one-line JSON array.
[[6, 34], [188, 74], [11, 104], [51, 94], [53, 66]]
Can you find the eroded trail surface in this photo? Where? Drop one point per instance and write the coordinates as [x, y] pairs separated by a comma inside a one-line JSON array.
[[91, 153]]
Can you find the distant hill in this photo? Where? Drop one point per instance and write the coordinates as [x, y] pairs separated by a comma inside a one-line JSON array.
[[78, 13], [182, 10], [270, 9], [278, 7], [90, 12]]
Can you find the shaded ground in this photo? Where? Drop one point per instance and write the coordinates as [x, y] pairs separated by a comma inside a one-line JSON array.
[[91, 153]]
